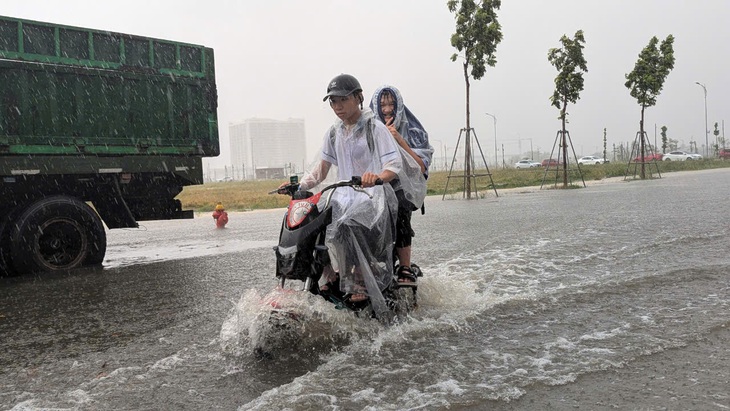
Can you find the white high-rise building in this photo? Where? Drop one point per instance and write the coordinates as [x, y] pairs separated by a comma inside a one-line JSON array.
[[266, 148]]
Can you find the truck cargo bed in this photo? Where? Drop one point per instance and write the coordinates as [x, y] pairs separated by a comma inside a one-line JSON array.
[[73, 91]]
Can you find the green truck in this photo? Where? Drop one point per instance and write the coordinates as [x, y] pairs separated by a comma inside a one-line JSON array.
[[95, 126]]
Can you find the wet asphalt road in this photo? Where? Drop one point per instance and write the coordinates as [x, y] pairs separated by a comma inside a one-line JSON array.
[[143, 332]]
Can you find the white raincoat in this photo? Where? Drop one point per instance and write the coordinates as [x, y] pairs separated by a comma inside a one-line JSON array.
[[361, 235]]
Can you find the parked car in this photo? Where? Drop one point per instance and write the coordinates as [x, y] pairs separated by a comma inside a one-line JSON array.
[[649, 157], [526, 164], [550, 162], [724, 153], [591, 160], [677, 156]]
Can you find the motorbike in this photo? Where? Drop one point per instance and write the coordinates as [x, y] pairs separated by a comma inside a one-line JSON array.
[[303, 256], [298, 315]]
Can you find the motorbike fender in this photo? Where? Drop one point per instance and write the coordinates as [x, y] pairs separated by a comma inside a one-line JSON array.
[[304, 233], [296, 249], [300, 209]]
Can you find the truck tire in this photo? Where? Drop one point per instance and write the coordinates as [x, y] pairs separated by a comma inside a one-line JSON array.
[[57, 233]]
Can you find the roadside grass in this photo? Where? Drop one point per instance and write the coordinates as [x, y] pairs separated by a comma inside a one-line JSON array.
[[235, 196], [253, 194]]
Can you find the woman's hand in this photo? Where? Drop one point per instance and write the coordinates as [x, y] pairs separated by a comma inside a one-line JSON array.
[[394, 132]]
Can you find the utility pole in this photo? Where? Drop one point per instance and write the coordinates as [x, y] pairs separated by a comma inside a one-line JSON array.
[[707, 131], [495, 138]]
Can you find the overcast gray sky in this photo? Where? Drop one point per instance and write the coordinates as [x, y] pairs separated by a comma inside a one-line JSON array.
[[274, 59]]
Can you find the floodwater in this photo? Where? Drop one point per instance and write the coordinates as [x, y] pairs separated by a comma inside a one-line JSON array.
[[611, 296]]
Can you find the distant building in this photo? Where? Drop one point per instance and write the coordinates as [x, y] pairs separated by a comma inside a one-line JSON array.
[[265, 148]]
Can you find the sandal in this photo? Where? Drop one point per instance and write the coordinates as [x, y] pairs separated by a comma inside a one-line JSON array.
[[406, 277], [359, 294], [331, 287], [358, 298]]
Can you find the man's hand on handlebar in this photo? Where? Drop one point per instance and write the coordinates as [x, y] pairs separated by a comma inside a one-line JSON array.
[[285, 188], [370, 179]]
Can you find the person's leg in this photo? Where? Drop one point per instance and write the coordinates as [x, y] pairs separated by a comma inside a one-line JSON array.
[[404, 235], [331, 280], [404, 255], [357, 245], [359, 291]]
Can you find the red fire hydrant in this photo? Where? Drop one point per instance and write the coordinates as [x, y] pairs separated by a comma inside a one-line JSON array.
[[220, 216]]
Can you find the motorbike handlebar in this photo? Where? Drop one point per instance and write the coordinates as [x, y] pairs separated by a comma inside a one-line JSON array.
[[291, 188], [285, 189], [357, 181]]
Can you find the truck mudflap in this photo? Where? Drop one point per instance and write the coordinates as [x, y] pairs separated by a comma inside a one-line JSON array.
[[112, 208]]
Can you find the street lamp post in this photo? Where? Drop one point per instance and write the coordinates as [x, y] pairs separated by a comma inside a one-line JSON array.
[[495, 138], [707, 132]]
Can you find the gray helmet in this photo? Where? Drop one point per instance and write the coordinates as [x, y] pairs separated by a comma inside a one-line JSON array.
[[342, 85]]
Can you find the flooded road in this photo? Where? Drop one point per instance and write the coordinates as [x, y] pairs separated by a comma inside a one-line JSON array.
[[611, 296]]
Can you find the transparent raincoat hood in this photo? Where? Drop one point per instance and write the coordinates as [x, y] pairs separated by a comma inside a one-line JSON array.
[[411, 181]]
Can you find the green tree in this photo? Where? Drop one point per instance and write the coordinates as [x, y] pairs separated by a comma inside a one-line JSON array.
[[664, 139], [571, 65], [477, 35], [646, 80]]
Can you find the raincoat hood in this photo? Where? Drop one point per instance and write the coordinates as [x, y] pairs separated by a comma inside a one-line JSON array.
[[406, 123]]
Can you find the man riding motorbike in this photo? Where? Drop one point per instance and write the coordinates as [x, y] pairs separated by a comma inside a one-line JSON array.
[[361, 236]]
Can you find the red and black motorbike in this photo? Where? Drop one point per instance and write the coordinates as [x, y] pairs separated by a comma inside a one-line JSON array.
[[302, 255]]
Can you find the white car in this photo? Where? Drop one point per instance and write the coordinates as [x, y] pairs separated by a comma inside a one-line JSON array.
[[591, 160], [527, 164], [677, 156]]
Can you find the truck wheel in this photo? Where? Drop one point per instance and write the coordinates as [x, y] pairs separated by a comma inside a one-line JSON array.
[[57, 233]]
